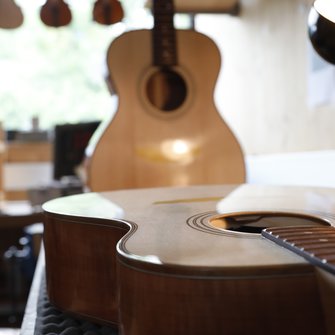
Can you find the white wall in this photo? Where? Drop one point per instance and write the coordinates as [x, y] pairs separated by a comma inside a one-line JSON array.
[[262, 90]]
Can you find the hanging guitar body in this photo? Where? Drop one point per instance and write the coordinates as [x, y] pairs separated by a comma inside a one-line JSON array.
[[167, 130], [55, 13], [10, 14], [107, 12]]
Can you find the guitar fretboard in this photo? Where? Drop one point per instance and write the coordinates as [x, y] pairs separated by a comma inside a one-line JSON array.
[[315, 244], [163, 35]]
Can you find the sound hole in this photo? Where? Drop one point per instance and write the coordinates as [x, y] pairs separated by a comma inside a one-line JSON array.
[[166, 90], [247, 223]]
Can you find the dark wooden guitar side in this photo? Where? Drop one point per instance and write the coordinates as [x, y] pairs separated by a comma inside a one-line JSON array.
[[167, 130], [182, 260]]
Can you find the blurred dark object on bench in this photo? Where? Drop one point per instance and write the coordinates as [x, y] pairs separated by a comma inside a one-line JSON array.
[[20, 238]]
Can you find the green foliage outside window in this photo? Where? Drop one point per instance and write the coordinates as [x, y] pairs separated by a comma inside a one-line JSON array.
[[57, 74]]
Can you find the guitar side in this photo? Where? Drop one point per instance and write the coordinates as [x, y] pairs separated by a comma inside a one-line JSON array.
[[143, 146]]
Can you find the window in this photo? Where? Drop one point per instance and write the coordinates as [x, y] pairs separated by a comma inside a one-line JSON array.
[[57, 74]]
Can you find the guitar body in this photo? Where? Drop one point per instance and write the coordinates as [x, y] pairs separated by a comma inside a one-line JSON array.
[[166, 130], [166, 261]]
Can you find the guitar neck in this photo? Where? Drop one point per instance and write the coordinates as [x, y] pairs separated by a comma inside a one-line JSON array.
[[315, 244], [163, 34]]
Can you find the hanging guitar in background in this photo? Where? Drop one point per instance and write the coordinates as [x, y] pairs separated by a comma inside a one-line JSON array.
[[55, 13], [167, 130], [107, 12], [11, 16]]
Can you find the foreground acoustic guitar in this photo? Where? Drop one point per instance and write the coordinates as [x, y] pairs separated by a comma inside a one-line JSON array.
[[167, 130], [192, 260]]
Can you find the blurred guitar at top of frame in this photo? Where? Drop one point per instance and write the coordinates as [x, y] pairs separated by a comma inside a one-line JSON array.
[[167, 130], [55, 13], [107, 12], [10, 14]]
